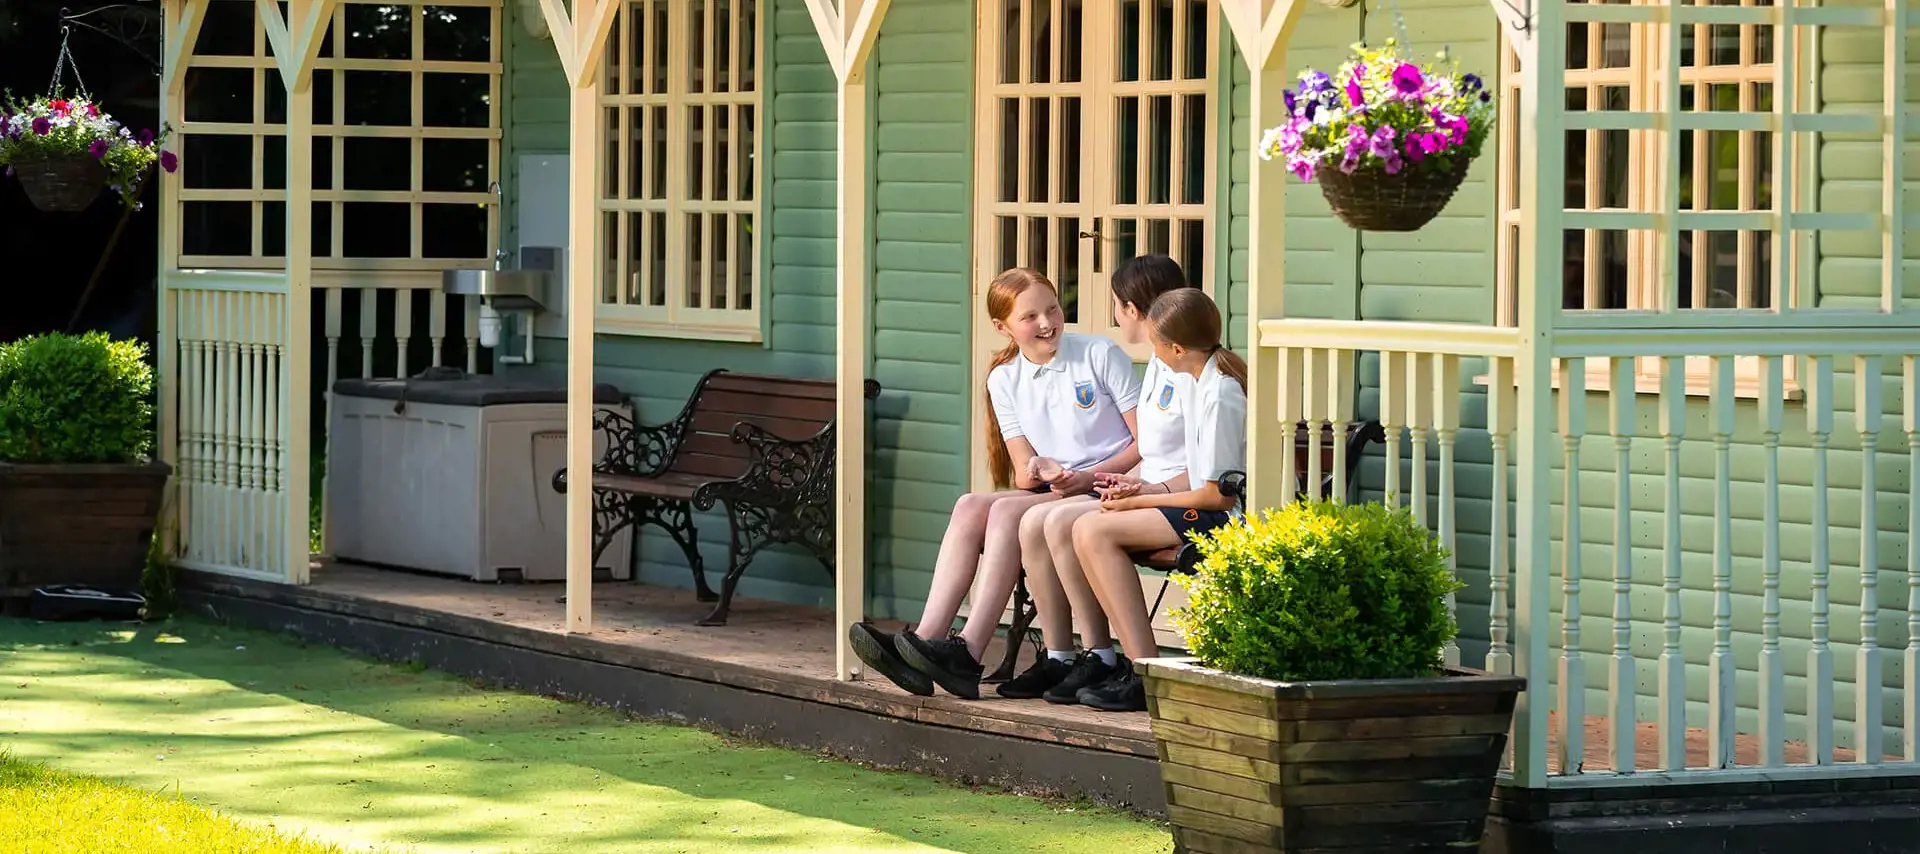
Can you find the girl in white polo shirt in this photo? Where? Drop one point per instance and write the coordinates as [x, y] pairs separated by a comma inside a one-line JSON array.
[[1185, 329], [1059, 410], [1061, 595]]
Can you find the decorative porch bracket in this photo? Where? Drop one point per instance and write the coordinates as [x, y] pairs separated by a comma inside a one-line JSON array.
[[847, 34], [581, 41]]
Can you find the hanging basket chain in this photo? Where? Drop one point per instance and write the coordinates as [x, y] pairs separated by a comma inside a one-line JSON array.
[[64, 61]]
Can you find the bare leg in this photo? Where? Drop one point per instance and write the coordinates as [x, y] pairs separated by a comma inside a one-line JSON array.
[[1037, 558], [1102, 542], [1088, 616], [959, 558], [999, 567]]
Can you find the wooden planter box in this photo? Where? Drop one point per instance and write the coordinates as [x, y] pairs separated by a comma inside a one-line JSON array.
[[1355, 767], [77, 524]]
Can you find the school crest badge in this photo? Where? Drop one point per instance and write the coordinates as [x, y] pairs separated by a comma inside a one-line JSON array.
[[1083, 395], [1166, 397]]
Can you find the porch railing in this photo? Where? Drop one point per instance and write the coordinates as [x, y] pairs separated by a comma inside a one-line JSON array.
[[1713, 613]]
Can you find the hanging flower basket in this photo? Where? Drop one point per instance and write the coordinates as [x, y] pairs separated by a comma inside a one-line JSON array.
[[1373, 199], [1388, 141], [61, 183], [65, 151]]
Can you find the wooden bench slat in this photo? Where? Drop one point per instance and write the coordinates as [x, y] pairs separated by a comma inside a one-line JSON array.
[[744, 405], [770, 386]]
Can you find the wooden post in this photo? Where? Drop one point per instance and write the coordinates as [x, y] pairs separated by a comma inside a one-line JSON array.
[[180, 21], [1262, 36], [581, 42]]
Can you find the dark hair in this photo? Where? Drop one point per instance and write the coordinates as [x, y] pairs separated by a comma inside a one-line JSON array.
[[1006, 288], [1143, 278], [1190, 319]]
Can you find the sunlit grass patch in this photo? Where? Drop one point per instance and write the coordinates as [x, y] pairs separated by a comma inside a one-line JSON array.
[[43, 811]]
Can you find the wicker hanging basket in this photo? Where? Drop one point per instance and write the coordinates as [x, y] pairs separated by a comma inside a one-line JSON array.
[[60, 184], [1372, 200]]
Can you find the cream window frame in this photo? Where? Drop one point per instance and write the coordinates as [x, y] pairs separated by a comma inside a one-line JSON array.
[[1100, 94], [637, 188], [336, 267], [1641, 78]]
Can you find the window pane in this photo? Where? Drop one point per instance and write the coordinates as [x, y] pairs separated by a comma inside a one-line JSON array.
[[696, 80], [377, 230], [216, 228], [221, 94], [378, 32], [1010, 41], [1160, 149], [456, 100], [1193, 116], [749, 44], [1040, 43], [722, 46], [1162, 39], [610, 244], [458, 33], [696, 152], [226, 30], [1126, 133], [696, 253], [637, 269], [1009, 149], [378, 164], [1070, 144], [379, 98], [1040, 152], [749, 269], [216, 162], [454, 165], [745, 152], [659, 261], [1067, 277]]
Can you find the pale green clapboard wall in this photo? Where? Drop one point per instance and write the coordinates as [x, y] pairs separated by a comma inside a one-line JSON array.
[[921, 90]]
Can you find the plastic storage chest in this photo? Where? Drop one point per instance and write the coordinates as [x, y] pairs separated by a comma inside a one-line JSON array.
[[454, 474]]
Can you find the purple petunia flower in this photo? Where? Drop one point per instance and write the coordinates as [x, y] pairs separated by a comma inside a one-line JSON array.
[[42, 127], [1317, 82], [1287, 96], [1381, 144], [98, 148], [1407, 79], [1302, 167], [168, 161], [145, 137], [1485, 97], [1413, 150], [1354, 95], [1393, 163], [1472, 82]]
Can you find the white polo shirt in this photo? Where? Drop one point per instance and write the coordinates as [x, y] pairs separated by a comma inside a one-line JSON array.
[[1070, 408], [1163, 424], [1216, 426]]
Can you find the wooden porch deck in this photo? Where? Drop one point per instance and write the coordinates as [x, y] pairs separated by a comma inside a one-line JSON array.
[[767, 674]]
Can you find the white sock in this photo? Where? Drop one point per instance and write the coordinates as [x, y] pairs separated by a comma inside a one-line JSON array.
[[1106, 655], [1060, 654]]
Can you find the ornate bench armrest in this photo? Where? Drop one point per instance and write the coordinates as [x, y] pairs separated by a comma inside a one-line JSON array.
[[632, 448], [782, 473]]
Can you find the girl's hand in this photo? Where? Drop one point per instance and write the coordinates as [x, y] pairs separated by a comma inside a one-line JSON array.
[[1074, 483], [1114, 491], [1106, 479], [1045, 470], [1120, 504]]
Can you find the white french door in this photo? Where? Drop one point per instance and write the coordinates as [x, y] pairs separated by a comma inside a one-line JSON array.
[[1096, 142]]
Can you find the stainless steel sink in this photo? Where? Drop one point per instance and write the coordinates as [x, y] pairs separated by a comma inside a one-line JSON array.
[[505, 290]]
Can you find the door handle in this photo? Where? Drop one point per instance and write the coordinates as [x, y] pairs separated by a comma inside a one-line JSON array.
[[1098, 249]]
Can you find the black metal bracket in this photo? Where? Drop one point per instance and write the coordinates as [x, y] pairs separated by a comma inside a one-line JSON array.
[[1525, 13]]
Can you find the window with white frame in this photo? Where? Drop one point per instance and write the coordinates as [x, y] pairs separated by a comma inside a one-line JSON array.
[[1616, 67], [680, 203], [406, 129]]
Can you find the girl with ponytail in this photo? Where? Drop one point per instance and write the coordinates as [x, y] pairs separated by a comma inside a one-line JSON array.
[[1184, 327], [1059, 411]]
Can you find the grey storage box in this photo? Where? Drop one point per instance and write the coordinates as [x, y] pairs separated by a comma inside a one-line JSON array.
[[453, 473]]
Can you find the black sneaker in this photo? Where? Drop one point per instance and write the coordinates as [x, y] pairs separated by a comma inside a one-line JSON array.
[[1087, 669], [1124, 691], [946, 660], [1044, 674], [875, 647]]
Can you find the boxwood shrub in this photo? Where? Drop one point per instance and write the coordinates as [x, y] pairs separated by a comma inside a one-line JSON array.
[[1320, 591], [75, 399]]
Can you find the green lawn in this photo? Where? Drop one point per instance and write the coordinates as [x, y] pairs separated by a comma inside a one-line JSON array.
[[43, 811], [363, 754]]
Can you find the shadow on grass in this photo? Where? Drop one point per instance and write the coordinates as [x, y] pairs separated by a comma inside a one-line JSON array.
[[265, 726]]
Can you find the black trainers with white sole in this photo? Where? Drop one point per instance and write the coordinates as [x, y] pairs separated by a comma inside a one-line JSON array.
[[877, 649]]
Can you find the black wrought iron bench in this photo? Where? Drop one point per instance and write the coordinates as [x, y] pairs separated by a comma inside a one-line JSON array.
[[1183, 558], [761, 446]]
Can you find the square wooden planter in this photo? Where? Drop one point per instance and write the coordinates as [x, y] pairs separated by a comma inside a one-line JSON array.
[[77, 524], [1355, 767]]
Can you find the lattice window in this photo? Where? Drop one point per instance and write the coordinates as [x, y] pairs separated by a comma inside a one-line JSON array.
[[406, 126], [1096, 142], [681, 195], [1617, 67]]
